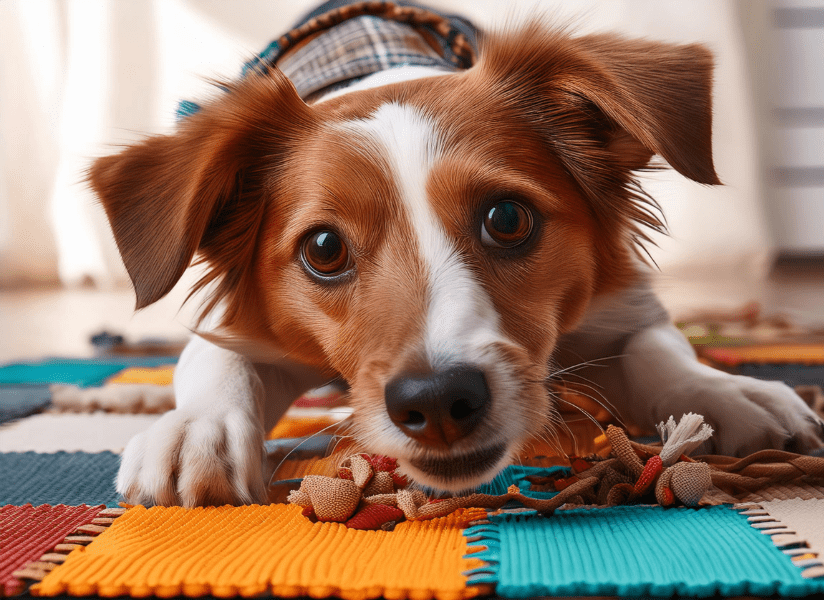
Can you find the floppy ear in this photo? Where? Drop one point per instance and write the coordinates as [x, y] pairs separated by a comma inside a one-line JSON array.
[[200, 188], [607, 97]]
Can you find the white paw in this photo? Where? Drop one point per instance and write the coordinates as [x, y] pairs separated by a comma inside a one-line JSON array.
[[747, 414], [192, 459]]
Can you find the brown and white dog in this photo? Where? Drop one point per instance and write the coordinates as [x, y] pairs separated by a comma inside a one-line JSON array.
[[445, 241]]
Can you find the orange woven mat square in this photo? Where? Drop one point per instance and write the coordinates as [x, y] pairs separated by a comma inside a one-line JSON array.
[[731, 356], [252, 550], [150, 375]]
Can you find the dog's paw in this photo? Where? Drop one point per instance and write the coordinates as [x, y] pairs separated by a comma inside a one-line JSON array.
[[749, 415], [193, 459]]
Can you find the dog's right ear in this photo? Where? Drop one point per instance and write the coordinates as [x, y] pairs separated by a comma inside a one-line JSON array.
[[166, 195]]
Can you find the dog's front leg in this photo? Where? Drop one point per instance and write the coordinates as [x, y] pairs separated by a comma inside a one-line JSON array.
[[209, 450], [663, 378]]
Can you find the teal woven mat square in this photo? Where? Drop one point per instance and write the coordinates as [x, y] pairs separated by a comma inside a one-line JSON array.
[[633, 551], [84, 372], [70, 478]]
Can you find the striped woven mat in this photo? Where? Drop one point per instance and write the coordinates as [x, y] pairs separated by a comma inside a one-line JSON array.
[[225, 551], [633, 551], [71, 478], [27, 532], [252, 550]]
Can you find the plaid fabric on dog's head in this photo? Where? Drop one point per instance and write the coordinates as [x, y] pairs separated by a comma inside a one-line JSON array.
[[354, 49], [349, 42]]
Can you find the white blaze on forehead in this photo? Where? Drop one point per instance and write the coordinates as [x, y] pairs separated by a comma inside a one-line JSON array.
[[461, 318]]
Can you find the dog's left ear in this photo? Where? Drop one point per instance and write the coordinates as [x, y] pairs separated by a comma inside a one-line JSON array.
[[607, 98]]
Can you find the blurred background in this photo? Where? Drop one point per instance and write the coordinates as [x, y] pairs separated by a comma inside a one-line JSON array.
[[78, 78]]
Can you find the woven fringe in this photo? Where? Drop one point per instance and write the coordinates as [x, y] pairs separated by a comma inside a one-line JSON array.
[[83, 535], [790, 541]]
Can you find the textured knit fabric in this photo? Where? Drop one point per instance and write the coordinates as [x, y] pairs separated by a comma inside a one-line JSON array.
[[73, 432], [82, 372], [804, 519], [790, 374], [809, 354], [634, 551], [77, 372], [252, 550], [789, 491], [21, 400], [27, 532], [60, 478], [161, 375], [134, 398]]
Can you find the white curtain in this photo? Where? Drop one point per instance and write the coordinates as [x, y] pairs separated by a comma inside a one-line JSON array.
[[79, 77]]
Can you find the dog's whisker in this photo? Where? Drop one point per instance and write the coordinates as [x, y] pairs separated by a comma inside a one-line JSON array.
[[288, 454], [587, 363], [556, 444], [563, 425], [586, 414], [601, 400], [609, 408]]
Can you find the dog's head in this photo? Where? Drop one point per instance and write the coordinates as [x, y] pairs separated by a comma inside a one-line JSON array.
[[427, 240]]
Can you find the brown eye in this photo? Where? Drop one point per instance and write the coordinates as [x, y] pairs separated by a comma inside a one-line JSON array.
[[506, 225], [325, 253]]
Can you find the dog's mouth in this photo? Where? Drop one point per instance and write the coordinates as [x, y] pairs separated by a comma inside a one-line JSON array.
[[451, 468]]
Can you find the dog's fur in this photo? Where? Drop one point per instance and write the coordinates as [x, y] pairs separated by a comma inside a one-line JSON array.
[[402, 165]]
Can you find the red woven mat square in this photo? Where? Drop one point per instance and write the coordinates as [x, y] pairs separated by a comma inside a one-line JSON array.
[[27, 532]]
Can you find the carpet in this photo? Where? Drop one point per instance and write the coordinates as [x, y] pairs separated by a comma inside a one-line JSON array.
[[17, 401], [27, 532], [71, 478], [252, 550], [629, 550], [632, 551], [76, 371], [93, 433]]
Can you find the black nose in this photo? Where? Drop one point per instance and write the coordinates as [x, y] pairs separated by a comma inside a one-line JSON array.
[[438, 409]]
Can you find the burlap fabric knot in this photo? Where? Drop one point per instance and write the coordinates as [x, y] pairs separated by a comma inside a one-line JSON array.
[[370, 493], [637, 473], [666, 475]]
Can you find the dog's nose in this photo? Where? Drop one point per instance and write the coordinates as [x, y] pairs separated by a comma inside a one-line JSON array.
[[438, 409]]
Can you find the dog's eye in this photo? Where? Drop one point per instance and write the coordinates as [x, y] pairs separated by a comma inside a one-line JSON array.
[[506, 225], [325, 253]]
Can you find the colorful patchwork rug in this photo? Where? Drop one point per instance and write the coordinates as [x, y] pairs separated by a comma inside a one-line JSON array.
[[55, 536]]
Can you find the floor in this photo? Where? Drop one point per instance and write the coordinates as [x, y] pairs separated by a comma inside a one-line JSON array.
[[59, 322]]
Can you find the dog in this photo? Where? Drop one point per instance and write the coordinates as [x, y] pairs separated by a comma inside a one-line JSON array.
[[445, 238]]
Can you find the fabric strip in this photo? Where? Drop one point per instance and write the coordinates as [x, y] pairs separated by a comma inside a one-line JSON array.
[[792, 523]]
